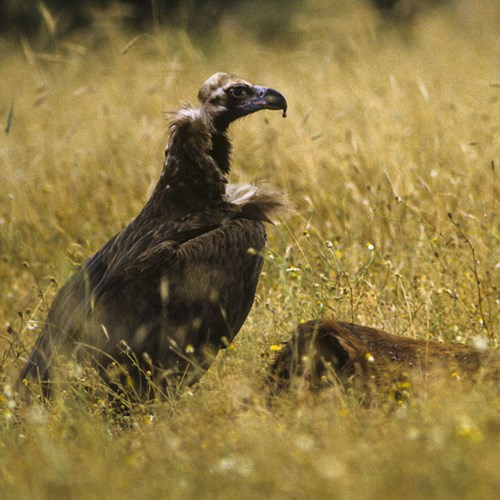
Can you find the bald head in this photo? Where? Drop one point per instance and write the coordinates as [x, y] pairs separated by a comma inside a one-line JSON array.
[[218, 81], [228, 97]]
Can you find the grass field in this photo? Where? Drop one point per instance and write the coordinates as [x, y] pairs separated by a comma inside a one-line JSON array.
[[390, 155]]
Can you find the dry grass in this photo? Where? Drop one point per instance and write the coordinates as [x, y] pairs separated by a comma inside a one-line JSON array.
[[389, 131]]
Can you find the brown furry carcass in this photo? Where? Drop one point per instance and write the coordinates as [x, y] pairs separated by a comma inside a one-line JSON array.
[[322, 352], [160, 298]]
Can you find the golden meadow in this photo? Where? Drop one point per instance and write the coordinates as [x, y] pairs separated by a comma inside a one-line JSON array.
[[390, 156]]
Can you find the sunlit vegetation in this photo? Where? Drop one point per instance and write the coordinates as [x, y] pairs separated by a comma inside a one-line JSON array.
[[390, 157]]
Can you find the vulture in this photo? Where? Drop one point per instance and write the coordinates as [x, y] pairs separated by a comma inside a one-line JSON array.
[[153, 306], [323, 352]]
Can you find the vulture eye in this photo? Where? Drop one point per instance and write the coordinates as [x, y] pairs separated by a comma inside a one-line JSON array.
[[237, 91]]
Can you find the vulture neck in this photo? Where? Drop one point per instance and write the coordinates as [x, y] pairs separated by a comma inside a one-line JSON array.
[[197, 160]]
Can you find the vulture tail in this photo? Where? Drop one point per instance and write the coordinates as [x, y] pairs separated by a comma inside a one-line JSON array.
[[36, 371]]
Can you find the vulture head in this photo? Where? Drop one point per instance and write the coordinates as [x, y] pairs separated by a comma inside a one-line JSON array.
[[227, 97]]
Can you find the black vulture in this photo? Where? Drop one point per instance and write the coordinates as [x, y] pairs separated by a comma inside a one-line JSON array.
[[162, 296]]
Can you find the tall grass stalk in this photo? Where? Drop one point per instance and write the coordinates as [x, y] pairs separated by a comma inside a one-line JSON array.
[[390, 129]]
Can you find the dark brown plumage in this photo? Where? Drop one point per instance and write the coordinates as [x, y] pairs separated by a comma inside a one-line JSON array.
[[177, 283], [320, 351]]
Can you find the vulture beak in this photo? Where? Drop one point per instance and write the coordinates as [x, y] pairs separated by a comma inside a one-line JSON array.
[[264, 98]]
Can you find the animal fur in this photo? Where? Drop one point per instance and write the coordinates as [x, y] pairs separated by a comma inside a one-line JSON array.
[[321, 352]]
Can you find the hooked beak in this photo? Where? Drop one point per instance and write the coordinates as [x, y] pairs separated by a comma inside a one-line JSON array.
[[264, 98]]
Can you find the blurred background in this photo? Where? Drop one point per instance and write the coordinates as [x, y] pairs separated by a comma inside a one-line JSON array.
[[269, 19]]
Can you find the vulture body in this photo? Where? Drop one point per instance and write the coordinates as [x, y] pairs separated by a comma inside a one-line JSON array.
[[174, 286]]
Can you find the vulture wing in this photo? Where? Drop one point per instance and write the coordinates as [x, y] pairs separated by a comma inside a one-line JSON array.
[[136, 256], [153, 294]]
